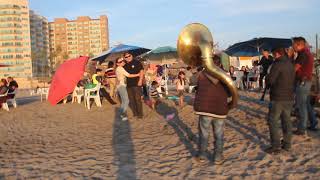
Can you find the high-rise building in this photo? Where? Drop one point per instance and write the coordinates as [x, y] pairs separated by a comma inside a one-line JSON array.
[[83, 36], [15, 43], [39, 28]]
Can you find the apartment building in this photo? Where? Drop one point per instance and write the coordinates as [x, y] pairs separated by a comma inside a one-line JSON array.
[[39, 29], [83, 36], [15, 41]]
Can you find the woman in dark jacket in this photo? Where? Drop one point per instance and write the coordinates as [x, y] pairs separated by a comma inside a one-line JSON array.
[[3, 90]]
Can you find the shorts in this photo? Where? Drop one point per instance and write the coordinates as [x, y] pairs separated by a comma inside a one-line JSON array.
[[253, 78], [180, 93]]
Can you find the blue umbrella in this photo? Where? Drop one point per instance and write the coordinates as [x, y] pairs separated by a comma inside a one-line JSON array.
[[253, 47], [118, 51]]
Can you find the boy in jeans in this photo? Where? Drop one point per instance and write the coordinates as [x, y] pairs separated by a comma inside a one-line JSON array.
[[211, 104]]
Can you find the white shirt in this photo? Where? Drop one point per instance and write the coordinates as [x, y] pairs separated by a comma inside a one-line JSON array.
[[121, 74]]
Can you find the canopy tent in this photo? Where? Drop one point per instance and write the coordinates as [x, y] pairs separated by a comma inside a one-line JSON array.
[[254, 46], [161, 55], [118, 50]]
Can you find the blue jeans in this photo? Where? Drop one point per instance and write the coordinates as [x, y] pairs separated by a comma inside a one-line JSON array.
[[311, 114], [122, 90], [302, 102], [205, 122], [280, 112]]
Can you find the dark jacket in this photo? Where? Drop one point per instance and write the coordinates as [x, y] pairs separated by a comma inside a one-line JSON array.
[[211, 99], [265, 63], [281, 80]]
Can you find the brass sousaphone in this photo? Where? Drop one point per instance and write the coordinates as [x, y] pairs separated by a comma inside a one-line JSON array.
[[195, 48]]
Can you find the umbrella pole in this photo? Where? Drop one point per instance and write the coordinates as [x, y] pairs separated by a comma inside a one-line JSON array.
[[166, 79]]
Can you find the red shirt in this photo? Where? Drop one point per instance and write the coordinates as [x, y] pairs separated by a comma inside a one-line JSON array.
[[304, 65]]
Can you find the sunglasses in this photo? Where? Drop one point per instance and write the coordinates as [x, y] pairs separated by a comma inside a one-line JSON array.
[[120, 62], [127, 56]]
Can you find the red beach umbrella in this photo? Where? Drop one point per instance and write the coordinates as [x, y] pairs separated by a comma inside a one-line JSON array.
[[4, 65], [66, 78]]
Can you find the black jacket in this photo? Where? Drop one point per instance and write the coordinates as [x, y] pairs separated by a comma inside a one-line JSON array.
[[265, 63], [281, 80]]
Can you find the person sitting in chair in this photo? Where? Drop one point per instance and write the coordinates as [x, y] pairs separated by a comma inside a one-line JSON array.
[[13, 85]]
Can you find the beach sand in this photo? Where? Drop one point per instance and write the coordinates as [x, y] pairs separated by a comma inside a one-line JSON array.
[[67, 141]]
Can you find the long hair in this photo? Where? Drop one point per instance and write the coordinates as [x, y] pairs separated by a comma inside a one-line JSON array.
[[181, 79], [4, 81]]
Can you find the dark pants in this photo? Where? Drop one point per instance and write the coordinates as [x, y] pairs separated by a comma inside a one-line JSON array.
[[261, 80], [135, 102], [280, 111], [105, 94]]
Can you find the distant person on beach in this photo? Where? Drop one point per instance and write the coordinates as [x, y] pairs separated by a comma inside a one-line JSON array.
[[194, 80], [134, 84], [232, 73], [3, 90], [304, 67], [13, 85], [98, 78], [180, 83], [154, 94], [211, 104], [111, 78], [188, 74], [281, 82], [265, 62], [245, 71], [291, 54], [121, 76]]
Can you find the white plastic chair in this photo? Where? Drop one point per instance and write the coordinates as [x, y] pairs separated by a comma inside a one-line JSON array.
[[254, 84], [239, 76], [44, 92], [93, 93], [5, 104], [78, 92], [13, 100]]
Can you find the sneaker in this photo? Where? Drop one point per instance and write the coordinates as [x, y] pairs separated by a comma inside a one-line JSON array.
[[124, 118], [299, 132], [200, 159], [272, 150], [218, 160], [313, 129]]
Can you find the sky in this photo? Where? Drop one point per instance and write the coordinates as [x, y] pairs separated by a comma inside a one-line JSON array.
[[154, 23]]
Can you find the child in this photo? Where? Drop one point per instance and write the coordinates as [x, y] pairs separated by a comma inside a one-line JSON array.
[[154, 94], [180, 86]]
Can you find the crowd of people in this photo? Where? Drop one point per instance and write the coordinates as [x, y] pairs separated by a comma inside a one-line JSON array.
[[287, 74]]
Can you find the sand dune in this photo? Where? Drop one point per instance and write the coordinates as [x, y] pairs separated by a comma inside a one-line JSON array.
[[39, 141]]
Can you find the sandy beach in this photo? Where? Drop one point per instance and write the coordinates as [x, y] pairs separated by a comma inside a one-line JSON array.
[[67, 141]]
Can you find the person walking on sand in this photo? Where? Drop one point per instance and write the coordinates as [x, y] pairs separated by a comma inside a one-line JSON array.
[[265, 62], [303, 68], [281, 82], [180, 87], [121, 75], [211, 104], [134, 84]]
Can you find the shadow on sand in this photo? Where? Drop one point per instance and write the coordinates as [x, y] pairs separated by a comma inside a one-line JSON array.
[[186, 136], [248, 132], [123, 148]]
